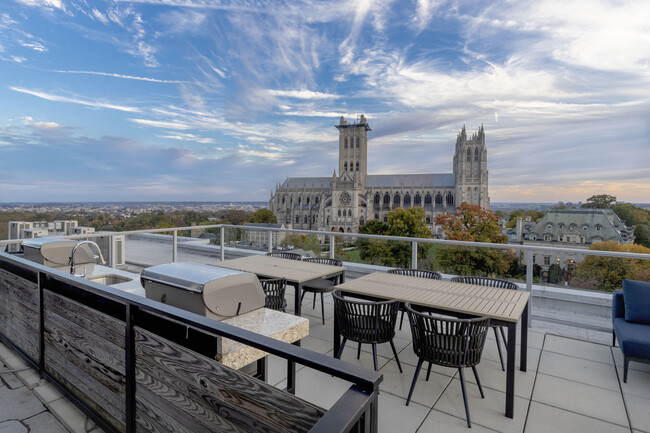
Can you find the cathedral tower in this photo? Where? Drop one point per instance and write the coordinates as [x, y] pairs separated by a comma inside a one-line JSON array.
[[470, 169], [353, 148]]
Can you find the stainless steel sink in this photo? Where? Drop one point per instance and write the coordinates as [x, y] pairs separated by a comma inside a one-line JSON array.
[[109, 280]]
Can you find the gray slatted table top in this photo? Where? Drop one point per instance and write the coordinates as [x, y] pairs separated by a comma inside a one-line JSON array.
[[501, 304], [294, 271]]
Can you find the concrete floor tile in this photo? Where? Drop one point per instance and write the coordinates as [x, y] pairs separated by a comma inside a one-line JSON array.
[[12, 426], [493, 377], [618, 358], [578, 349], [365, 360], [384, 348], [30, 378], [437, 421], [638, 410], [407, 356], [638, 383], [318, 388], [395, 416], [45, 422], [544, 419], [317, 345], [47, 393], [425, 393], [490, 352], [19, 403], [488, 412], [579, 370], [588, 400]]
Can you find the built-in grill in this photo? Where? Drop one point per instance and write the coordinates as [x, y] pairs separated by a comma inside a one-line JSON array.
[[207, 290], [55, 252]]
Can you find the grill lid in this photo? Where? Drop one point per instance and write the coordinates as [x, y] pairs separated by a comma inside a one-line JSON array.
[[185, 275]]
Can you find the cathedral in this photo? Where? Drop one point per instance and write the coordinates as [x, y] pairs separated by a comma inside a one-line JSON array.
[[344, 202]]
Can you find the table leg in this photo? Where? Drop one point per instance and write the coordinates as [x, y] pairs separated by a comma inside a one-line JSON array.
[[291, 373], [337, 336], [510, 369], [263, 369], [523, 358], [297, 306]]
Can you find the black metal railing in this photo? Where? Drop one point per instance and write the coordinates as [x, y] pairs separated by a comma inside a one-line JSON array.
[[108, 319]]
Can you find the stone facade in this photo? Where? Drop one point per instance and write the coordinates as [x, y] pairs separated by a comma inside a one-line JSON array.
[[344, 202]]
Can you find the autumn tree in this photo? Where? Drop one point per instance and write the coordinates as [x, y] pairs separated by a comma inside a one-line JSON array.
[[608, 273], [635, 216], [600, 201], [401, 222], [263, 216], [520, 213], [473, 224]]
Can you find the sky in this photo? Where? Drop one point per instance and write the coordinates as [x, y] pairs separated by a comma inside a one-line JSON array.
[[207, 100]]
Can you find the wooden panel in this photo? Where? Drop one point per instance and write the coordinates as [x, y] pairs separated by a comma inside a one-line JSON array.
[[19, 312], [294, 271], [207, 395], [84, 349]]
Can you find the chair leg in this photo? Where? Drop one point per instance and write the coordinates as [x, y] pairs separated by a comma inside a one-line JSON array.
[[401, 321], [314, 304], [626, 363], [359, 351], [415, 379], [496, 337], [374, 355], [304, 292], [462, 387], [428, 371], [392, 346], [613, 338], [478, 381], [503, 336], [322, 306], [338, 355]]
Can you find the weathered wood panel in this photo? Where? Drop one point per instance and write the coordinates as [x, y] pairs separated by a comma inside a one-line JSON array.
[[84, 349], [19, 312], [206, 395]]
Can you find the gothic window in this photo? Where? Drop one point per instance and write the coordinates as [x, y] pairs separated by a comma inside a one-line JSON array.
[[377, 198], [438, 198], [299, 199], [350, 212], [297, 219], [306, 219], [357, 165], [316, 200], [283, 197], [376, 216], [385, 219], [417, 201], [469, 155], [351, 166], [428, 220], [427, 199], [598, 226], [476, 154], [346, 143], [407, 199], [386, 198], [307, 200], [450, 198], [361, 222], [357, 142], [345, 166], [339, 212], [314, 219], [396, 199]]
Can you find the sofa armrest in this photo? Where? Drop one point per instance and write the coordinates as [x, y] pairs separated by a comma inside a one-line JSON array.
[[618, 305]]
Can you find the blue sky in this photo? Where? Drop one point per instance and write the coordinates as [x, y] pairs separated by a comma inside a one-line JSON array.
[[221, 100]]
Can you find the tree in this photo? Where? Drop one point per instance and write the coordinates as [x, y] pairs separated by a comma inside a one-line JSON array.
[[520, 213], [236, 217], [264, 216], [401, 222], [600, 201], [608, 273], [474, 224]]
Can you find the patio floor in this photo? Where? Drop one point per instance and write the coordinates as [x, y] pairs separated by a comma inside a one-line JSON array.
[[571, 385]]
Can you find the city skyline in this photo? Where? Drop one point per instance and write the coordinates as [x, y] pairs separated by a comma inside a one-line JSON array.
[[190, 100]]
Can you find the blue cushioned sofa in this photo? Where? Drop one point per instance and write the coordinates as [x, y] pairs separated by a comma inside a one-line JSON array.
[[631, 322]]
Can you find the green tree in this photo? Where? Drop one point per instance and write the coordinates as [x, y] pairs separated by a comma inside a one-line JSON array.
[[642, 235], [520, 213], [474, 224], [554, 273], [401, 222], [608, 273], [236, 217], [600, 201], [264, 216]]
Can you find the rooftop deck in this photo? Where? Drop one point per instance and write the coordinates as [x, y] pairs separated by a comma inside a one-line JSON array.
[[570, 385]]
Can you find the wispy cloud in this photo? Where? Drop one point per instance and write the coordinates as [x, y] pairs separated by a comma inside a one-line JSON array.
[[36, 46], [126, 77], [302, 94], [45, 4], [58, 98]]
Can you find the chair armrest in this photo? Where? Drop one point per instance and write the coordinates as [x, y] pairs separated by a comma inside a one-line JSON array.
[[618, 305]]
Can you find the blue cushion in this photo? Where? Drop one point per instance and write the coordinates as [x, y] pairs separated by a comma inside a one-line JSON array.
[[637, 301], [633, 338]]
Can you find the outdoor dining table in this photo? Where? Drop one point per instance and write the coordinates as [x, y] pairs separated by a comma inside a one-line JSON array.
[[504, 307], [297, 272]]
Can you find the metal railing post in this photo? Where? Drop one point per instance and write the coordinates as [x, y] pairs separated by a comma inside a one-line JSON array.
[[175, 246], [269, 241], [529, 283], [414, 254], [222, 242], [332, 243]]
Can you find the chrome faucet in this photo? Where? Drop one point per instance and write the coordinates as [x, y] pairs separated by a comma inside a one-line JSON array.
[[74, 249]]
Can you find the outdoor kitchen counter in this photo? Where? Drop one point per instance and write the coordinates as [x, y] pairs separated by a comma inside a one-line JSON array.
[[271, 323]]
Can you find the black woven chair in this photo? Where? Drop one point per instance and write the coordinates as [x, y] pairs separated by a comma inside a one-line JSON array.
[[455, 343], [420, 273], [290, 256], [491, 282], [322, 285], [274, 290], [366, 322]]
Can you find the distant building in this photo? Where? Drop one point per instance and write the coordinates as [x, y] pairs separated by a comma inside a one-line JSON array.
[[570, 228], [261, 236], [344, 202]]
